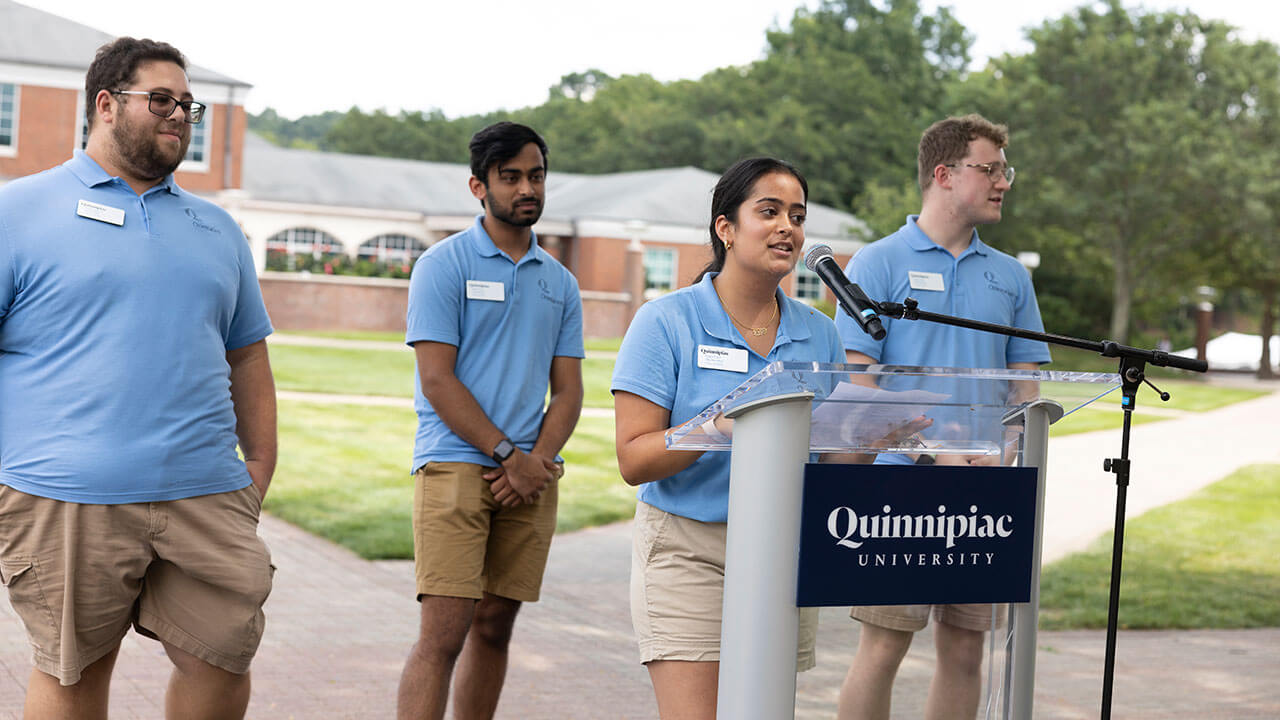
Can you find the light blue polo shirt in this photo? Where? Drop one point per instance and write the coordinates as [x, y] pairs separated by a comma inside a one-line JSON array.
[[982, 284], [114, 383], [659, 362], [507, 319]]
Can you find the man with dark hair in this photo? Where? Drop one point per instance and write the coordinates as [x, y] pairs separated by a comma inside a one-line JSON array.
[[495, 322], [937, 258], [132, 364]]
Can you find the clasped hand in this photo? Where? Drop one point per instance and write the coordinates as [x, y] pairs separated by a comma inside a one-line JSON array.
[[523, 477]]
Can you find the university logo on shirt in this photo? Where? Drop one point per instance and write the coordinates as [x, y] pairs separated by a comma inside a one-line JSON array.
[[544, 288], [993, 283], [200, 224]]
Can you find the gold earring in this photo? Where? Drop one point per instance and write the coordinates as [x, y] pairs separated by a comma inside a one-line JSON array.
[[728, 246]]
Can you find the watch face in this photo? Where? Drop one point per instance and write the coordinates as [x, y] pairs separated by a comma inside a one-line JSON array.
[[503, 450]]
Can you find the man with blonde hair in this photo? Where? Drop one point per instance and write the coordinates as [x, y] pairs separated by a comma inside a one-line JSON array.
[[937, 258]]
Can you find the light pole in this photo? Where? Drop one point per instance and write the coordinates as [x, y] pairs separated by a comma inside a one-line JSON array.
[[1204, 320]]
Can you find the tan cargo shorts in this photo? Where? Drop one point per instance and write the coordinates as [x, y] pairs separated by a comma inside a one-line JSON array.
[[193, 573], [677, 590], [466, 543]]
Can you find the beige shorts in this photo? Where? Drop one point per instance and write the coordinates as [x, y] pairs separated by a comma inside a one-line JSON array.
[[912, 618], [190, 572], [466, 544], [677, 590]]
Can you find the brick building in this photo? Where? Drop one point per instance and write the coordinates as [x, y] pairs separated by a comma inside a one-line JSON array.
[[625, 236]]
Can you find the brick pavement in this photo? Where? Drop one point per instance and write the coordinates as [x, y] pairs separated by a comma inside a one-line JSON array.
[[339, 627]]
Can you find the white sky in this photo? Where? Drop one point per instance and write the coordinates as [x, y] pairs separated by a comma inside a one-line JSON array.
[[470, 57]]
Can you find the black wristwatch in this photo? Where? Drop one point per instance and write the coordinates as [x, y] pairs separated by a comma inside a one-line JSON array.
[[503, 450]]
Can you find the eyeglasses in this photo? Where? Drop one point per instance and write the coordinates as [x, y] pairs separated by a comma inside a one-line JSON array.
[[163, 105], [994, 170]]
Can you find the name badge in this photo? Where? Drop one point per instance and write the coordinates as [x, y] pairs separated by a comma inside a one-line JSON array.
[[101, 213], [719, 358], [925, 280], [483, 290]]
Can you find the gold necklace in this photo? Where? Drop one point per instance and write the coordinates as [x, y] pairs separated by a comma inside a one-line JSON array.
[[757, 331]]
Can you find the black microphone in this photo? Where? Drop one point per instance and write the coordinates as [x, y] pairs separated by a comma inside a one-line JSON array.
[[852, 300]]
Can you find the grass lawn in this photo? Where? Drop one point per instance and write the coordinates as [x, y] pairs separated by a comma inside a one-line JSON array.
[[388, 372], [1208, 561], [1104, 413], [343, 371], [601, 344], [396, 337], [344, 475]]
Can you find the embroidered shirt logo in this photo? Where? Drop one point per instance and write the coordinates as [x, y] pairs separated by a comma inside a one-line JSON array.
[[198, 223]]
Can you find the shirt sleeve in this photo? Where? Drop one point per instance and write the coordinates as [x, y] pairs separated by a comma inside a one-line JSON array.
[[435, 292], [646, 364], [1026, 315], [249, 322], [872, 277], [569, 343]]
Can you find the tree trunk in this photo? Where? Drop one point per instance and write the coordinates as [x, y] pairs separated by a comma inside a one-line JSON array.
[[1122, 296], [1268, 292]]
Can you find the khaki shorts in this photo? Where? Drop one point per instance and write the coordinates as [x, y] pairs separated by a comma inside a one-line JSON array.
[[912, 618], [677, 590], [191, 572], [466, 544]]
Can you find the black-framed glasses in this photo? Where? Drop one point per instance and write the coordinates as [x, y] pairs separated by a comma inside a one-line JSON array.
[[163, 105], [994, 170]]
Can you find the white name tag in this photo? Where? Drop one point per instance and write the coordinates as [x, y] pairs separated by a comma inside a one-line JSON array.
[[720, 358], [102, 213], [925, 280], [483, 290]]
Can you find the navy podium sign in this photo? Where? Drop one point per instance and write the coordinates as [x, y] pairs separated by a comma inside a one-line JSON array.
[[910, 534]]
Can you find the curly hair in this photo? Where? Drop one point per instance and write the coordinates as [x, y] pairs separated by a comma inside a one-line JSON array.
[[947, 141], [116, 65]]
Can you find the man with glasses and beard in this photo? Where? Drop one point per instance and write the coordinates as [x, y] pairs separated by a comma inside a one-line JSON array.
[[494, 322], [133, 363], [937, 258]]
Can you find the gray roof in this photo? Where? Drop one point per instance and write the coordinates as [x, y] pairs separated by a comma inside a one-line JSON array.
[[362, 181], [674, 196], [35, 37]]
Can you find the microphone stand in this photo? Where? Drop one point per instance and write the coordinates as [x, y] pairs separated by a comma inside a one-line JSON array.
[[1133, 363]]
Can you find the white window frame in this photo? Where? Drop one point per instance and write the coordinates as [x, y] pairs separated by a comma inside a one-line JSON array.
[[656, 290], [414, 248], [804, 273], [11, 149], [206, 144]]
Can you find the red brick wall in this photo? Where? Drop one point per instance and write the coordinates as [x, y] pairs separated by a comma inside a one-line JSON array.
[[298, 302], [601, 263], [211, 179], [46, 130], [605, 318], [47, 127], [295, 302]]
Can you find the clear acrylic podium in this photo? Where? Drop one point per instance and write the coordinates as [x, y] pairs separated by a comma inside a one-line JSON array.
[[793, 412]]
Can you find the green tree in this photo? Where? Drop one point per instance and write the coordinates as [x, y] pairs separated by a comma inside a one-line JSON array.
[[1244, 195], [1120, 120]]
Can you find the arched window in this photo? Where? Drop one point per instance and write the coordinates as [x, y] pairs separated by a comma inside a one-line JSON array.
[[392, 247], [298, 248], [304, 240]]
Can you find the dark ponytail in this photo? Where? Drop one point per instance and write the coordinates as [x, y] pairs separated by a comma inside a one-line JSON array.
[[732, 190]]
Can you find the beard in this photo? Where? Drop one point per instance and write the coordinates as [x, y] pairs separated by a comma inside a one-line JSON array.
[[510, 215], [139, 150]]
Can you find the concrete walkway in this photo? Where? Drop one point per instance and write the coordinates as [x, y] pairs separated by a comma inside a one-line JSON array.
[[339, 627], [351, 344]]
